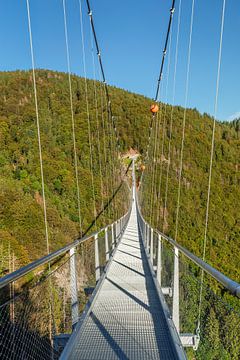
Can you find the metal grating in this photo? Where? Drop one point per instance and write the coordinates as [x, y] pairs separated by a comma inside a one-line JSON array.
[[127, 320]]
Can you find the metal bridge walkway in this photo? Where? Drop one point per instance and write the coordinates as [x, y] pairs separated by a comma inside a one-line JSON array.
[[127, 320]]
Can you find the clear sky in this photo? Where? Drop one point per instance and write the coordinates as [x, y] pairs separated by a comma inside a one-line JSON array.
[[131, 35]]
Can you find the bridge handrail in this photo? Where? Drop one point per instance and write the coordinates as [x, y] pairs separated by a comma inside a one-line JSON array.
[[229, 284], [15, 275]]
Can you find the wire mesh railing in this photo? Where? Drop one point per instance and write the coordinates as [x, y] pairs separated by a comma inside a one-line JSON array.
[[30, 320], [205, 310], [210, 317], [41, 303]]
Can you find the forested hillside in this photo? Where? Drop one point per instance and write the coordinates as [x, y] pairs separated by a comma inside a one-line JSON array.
[[21, 215], [223, 236]]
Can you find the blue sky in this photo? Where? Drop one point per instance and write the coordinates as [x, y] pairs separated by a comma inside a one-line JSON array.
[[131, 35]]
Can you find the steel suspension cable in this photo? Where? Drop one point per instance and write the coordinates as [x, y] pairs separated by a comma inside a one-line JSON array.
[[90, 13], [184, 118], [211, 156], [153, 168], [161, 144], [158, 157], [97, 122], [115, 170], [87, 108], [163, 127], [172, 110], [38, 125], [72, 115], [110, 153], [107, 174], [165, 48], [147, 162], [149, 165], [156, 154], [159, 80], [111, 118], [51, 312]]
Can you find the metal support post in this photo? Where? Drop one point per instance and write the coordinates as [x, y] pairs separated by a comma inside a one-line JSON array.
[[145, 233], [97, 268], [73, 285], [176, 290], [151, 245], [113, 238], [115, 232], [106, 244], [149, 241], [116, 228], [119, 229], [147, 244], [159, 260]]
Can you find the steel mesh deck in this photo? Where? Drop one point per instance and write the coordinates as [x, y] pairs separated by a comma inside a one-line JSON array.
[[127, 320]]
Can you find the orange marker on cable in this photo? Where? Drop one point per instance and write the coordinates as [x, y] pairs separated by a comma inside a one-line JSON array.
[[154, 108]]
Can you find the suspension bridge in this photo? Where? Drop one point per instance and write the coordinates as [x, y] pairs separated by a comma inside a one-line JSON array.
[[124, 290]]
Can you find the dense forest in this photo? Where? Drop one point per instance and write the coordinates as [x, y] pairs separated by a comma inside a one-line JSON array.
[[212, 316], [101, 166], [21, 219], [223, 236]]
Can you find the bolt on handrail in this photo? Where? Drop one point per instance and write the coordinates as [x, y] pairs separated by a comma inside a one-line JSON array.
[[232, 286], [15, 275]]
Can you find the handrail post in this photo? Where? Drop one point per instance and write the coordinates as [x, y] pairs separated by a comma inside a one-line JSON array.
[[73, 286], [141, 225], [113, 239], [147, 244], [106, 244], [175, 311], [97, 268], [117, 230], [151, 245], [159, 260], [145, 233]]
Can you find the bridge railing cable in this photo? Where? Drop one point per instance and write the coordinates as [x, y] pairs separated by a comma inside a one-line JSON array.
[[62, 281], [220, 322], [230, 285], [40, 303]]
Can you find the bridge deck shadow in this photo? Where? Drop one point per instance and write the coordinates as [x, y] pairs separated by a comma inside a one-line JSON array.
[[127, 320]]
